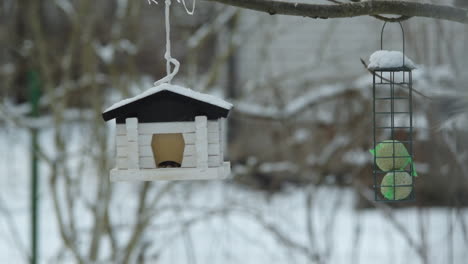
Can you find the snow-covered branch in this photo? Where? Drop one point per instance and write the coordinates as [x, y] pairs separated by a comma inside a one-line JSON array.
[[294, 107], [366, 8]]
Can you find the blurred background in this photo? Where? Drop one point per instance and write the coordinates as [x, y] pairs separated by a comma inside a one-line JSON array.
[[298, 137]]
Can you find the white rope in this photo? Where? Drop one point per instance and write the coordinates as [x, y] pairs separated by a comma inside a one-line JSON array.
[[179, 1], [185, 6], [169, 60], [170, 75]]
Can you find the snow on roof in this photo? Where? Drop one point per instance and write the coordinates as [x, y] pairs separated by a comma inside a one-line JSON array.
[[210, 99], [388, 59]]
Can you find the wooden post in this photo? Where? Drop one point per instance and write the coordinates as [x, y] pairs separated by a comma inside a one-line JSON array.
[[132, 143], [201, 141]]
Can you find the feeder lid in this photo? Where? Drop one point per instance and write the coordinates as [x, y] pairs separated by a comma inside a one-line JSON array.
[[389, 60], [168, 103]]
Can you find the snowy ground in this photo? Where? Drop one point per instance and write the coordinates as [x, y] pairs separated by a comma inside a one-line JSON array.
[[218, 222]]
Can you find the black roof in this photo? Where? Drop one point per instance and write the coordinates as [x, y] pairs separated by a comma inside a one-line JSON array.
[[167, 106]]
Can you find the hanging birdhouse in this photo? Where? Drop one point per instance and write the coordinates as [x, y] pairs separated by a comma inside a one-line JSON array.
[[169, 133], [392, 89]]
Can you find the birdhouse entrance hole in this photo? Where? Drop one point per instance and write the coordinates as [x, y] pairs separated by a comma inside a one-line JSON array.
[[168, 150]]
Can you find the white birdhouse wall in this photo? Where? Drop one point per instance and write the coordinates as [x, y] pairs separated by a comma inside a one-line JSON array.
[[197, 146]]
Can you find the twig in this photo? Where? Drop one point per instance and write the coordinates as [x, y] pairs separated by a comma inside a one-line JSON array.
[[283, 238], [64, 232], [11, 225]]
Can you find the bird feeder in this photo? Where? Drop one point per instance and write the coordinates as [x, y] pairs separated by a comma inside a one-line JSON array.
[[169, 133], [392, 90]]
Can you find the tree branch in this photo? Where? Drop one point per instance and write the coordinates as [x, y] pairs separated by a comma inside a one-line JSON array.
[[372, 8]]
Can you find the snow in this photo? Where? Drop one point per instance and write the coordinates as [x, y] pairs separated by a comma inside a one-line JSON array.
[[128, 46], [253, 109], [108, 52], [175, 89], [295, 106], [223, 223], [357, 157], [105, 52], [7, 69], [388, 59], [66, 6], [301, 135], [283, 166], [458, 122]]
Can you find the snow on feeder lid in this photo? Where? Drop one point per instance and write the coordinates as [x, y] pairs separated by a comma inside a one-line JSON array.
[[386, 59]]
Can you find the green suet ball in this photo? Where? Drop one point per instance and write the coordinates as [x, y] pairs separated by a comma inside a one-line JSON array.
[[394, 192], [385, 157]]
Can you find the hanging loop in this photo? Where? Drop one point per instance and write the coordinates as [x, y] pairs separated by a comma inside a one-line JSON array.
[[402, 34], [170, 75]]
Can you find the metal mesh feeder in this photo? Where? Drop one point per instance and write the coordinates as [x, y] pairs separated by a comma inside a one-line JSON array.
[[392, 91]]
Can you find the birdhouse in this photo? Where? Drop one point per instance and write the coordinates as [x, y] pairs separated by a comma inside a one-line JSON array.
[[169, 133]]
